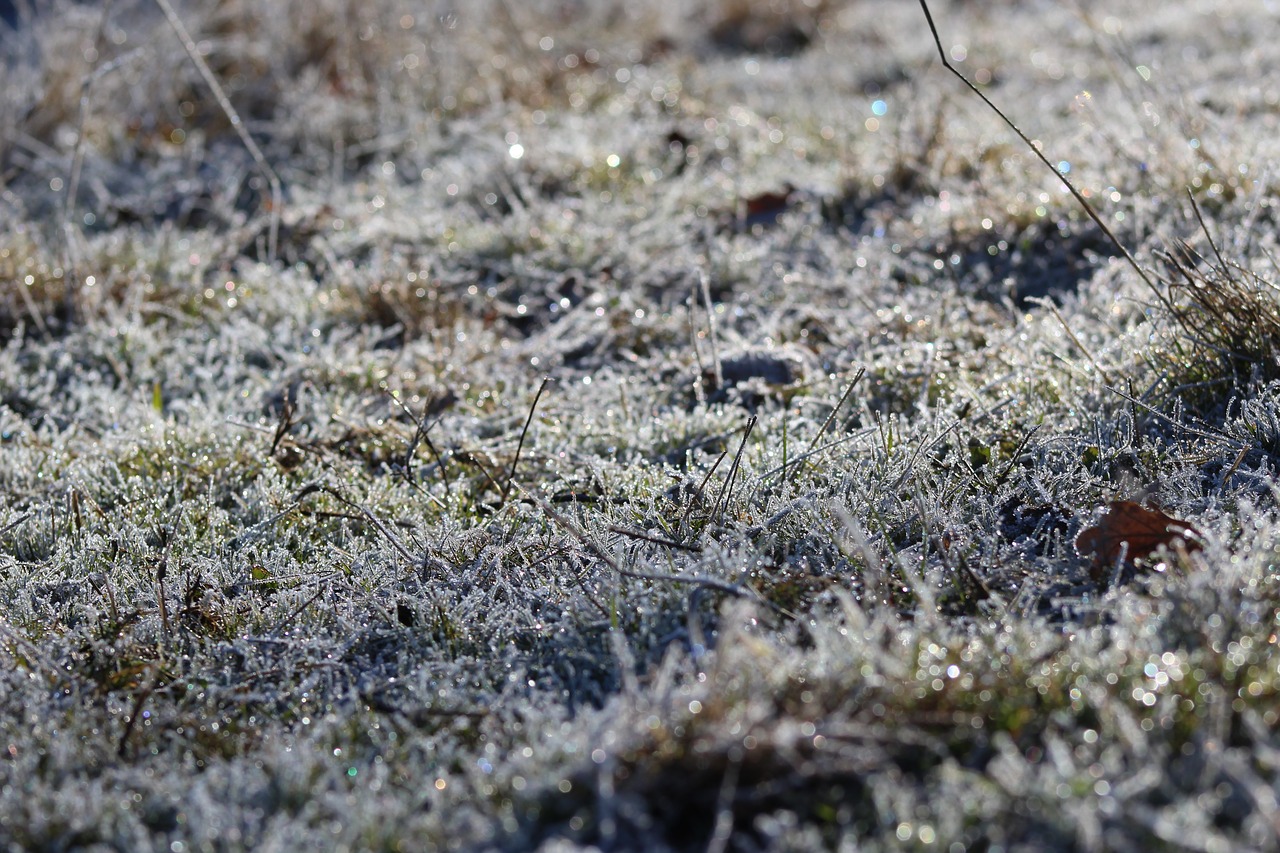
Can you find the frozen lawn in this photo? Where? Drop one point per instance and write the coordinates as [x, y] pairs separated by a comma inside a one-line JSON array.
[[298, 552]]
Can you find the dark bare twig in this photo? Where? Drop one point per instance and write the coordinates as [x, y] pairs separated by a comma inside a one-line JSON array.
[[506, 487], [296, 611], [220, 95], [421, 435], [1226, 271], [655, 540], [373, 519], [288, 409], [606, 558], [726, 491], [17, 521], [1004, 475], [470, 458], [1040, 155], [698, 493], [825, 424]]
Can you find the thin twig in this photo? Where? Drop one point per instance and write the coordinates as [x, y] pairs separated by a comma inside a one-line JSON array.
[[1048, 303], [726, 491], [470, 458], [656, 540], [506, 487], [421, 434], [1040, 155], [70, 230], [1215, 435], [606, 558], [701, 490], [193, 51], [1004, 475], [825, 424], [17, 521], [373, 519], [1205, 228], [286, 423], [296, 611]]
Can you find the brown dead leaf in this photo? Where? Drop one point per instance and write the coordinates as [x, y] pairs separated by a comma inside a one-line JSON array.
[[765, 208], [1141, 529]]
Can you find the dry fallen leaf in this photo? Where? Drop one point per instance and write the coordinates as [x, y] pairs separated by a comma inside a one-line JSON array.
[[765, 208], [1141, 529]]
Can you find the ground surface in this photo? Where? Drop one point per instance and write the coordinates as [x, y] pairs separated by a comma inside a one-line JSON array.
[[297, 551]]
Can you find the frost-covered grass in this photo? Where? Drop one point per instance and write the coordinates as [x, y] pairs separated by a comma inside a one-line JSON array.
[[298, 552]]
